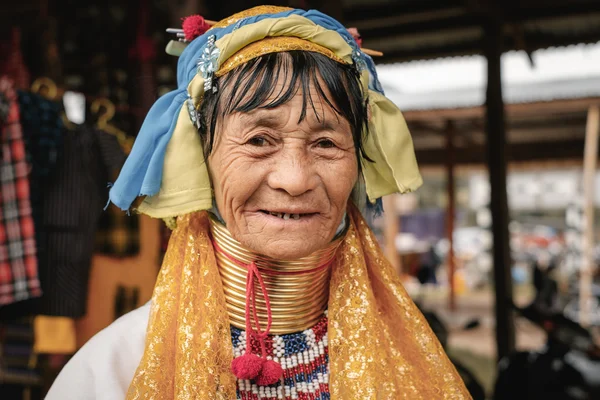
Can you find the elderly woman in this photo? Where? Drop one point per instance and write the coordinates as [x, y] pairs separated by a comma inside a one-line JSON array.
[[273, 286]]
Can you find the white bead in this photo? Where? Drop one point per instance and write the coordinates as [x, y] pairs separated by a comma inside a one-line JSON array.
[[269, 358]]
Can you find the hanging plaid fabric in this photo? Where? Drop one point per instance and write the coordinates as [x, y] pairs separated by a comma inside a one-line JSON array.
[[18, 263]]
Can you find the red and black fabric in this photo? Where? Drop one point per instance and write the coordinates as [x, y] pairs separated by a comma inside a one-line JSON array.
[[18, 258]]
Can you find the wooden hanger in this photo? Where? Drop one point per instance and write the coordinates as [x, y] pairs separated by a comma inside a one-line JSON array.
[[45, 87], [103, 122]]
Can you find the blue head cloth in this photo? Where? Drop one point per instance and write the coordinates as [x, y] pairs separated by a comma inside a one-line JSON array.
[[142, 173]]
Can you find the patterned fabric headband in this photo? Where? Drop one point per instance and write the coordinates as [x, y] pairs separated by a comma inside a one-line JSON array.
[[167, 167]]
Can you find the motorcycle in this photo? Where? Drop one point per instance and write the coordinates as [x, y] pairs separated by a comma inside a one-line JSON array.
[[566, 368]]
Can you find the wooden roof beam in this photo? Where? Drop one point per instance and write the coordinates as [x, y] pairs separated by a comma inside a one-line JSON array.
[[551, 107], [521, 152]]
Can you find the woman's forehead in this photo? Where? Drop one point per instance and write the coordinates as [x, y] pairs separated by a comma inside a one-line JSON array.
[[319, 115], [281, 79]]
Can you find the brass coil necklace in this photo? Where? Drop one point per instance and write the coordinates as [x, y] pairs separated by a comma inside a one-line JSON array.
[[298, 290]]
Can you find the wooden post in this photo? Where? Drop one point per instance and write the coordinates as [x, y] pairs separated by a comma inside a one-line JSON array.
[[589, 173], [450, 211], [496, 158], [390, 231]]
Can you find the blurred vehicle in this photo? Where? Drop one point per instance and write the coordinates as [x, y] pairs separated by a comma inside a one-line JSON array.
[[566, 368]]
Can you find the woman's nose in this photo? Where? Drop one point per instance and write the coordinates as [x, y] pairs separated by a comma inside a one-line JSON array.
[[293, 172]]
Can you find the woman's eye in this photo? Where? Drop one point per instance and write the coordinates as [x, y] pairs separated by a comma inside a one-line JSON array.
[[325, 144], [258, 141]]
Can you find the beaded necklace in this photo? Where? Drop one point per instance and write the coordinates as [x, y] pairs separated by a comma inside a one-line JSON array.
[[304, 357]]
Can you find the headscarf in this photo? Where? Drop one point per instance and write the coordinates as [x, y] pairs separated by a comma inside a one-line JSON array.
[[380, 345], [167, 165]]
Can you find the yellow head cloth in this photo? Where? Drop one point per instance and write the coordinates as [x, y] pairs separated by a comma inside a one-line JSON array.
[[186, 185]]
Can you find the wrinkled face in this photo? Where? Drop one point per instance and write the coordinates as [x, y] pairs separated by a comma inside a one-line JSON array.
[[282, 185]]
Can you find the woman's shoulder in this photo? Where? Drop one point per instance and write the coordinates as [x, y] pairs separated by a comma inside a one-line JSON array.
[[104, 367]]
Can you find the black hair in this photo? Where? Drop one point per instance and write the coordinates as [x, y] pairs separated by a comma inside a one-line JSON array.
[[252, 85]]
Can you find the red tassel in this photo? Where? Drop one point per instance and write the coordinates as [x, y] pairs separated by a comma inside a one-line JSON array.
[[271, 373], [194, 26], [247, 366]]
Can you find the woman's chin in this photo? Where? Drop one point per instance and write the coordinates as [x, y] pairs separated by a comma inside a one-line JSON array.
[[287, 248], [284, 239]]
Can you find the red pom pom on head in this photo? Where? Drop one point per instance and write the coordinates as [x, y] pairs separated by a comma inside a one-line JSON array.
[[247, 366], [271, 373], [194, 26], [355, 35]]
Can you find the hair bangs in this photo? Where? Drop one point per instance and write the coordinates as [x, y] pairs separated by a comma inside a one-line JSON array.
[[255, 85]]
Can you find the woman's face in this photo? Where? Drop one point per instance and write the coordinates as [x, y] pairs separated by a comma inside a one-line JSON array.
[[282, 186]]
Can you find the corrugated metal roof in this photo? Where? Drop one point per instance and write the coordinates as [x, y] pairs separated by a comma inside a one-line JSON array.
[[559, 73]]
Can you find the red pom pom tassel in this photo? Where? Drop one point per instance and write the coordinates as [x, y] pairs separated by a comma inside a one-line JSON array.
[[247, 366], [194, 26], [271, 373]]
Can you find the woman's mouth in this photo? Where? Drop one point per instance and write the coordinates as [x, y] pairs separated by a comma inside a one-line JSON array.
[[287, 216]]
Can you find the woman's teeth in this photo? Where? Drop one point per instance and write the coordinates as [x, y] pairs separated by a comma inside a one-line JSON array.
[[286, 216]]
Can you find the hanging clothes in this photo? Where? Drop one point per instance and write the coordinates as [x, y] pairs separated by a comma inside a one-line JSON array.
[[12, 64], [42, 132], [18, 261], [20, 374], [118, 284], [73, 201], [118, 234]]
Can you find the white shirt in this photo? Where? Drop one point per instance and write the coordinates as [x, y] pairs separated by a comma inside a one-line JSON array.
[[104, 367]]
